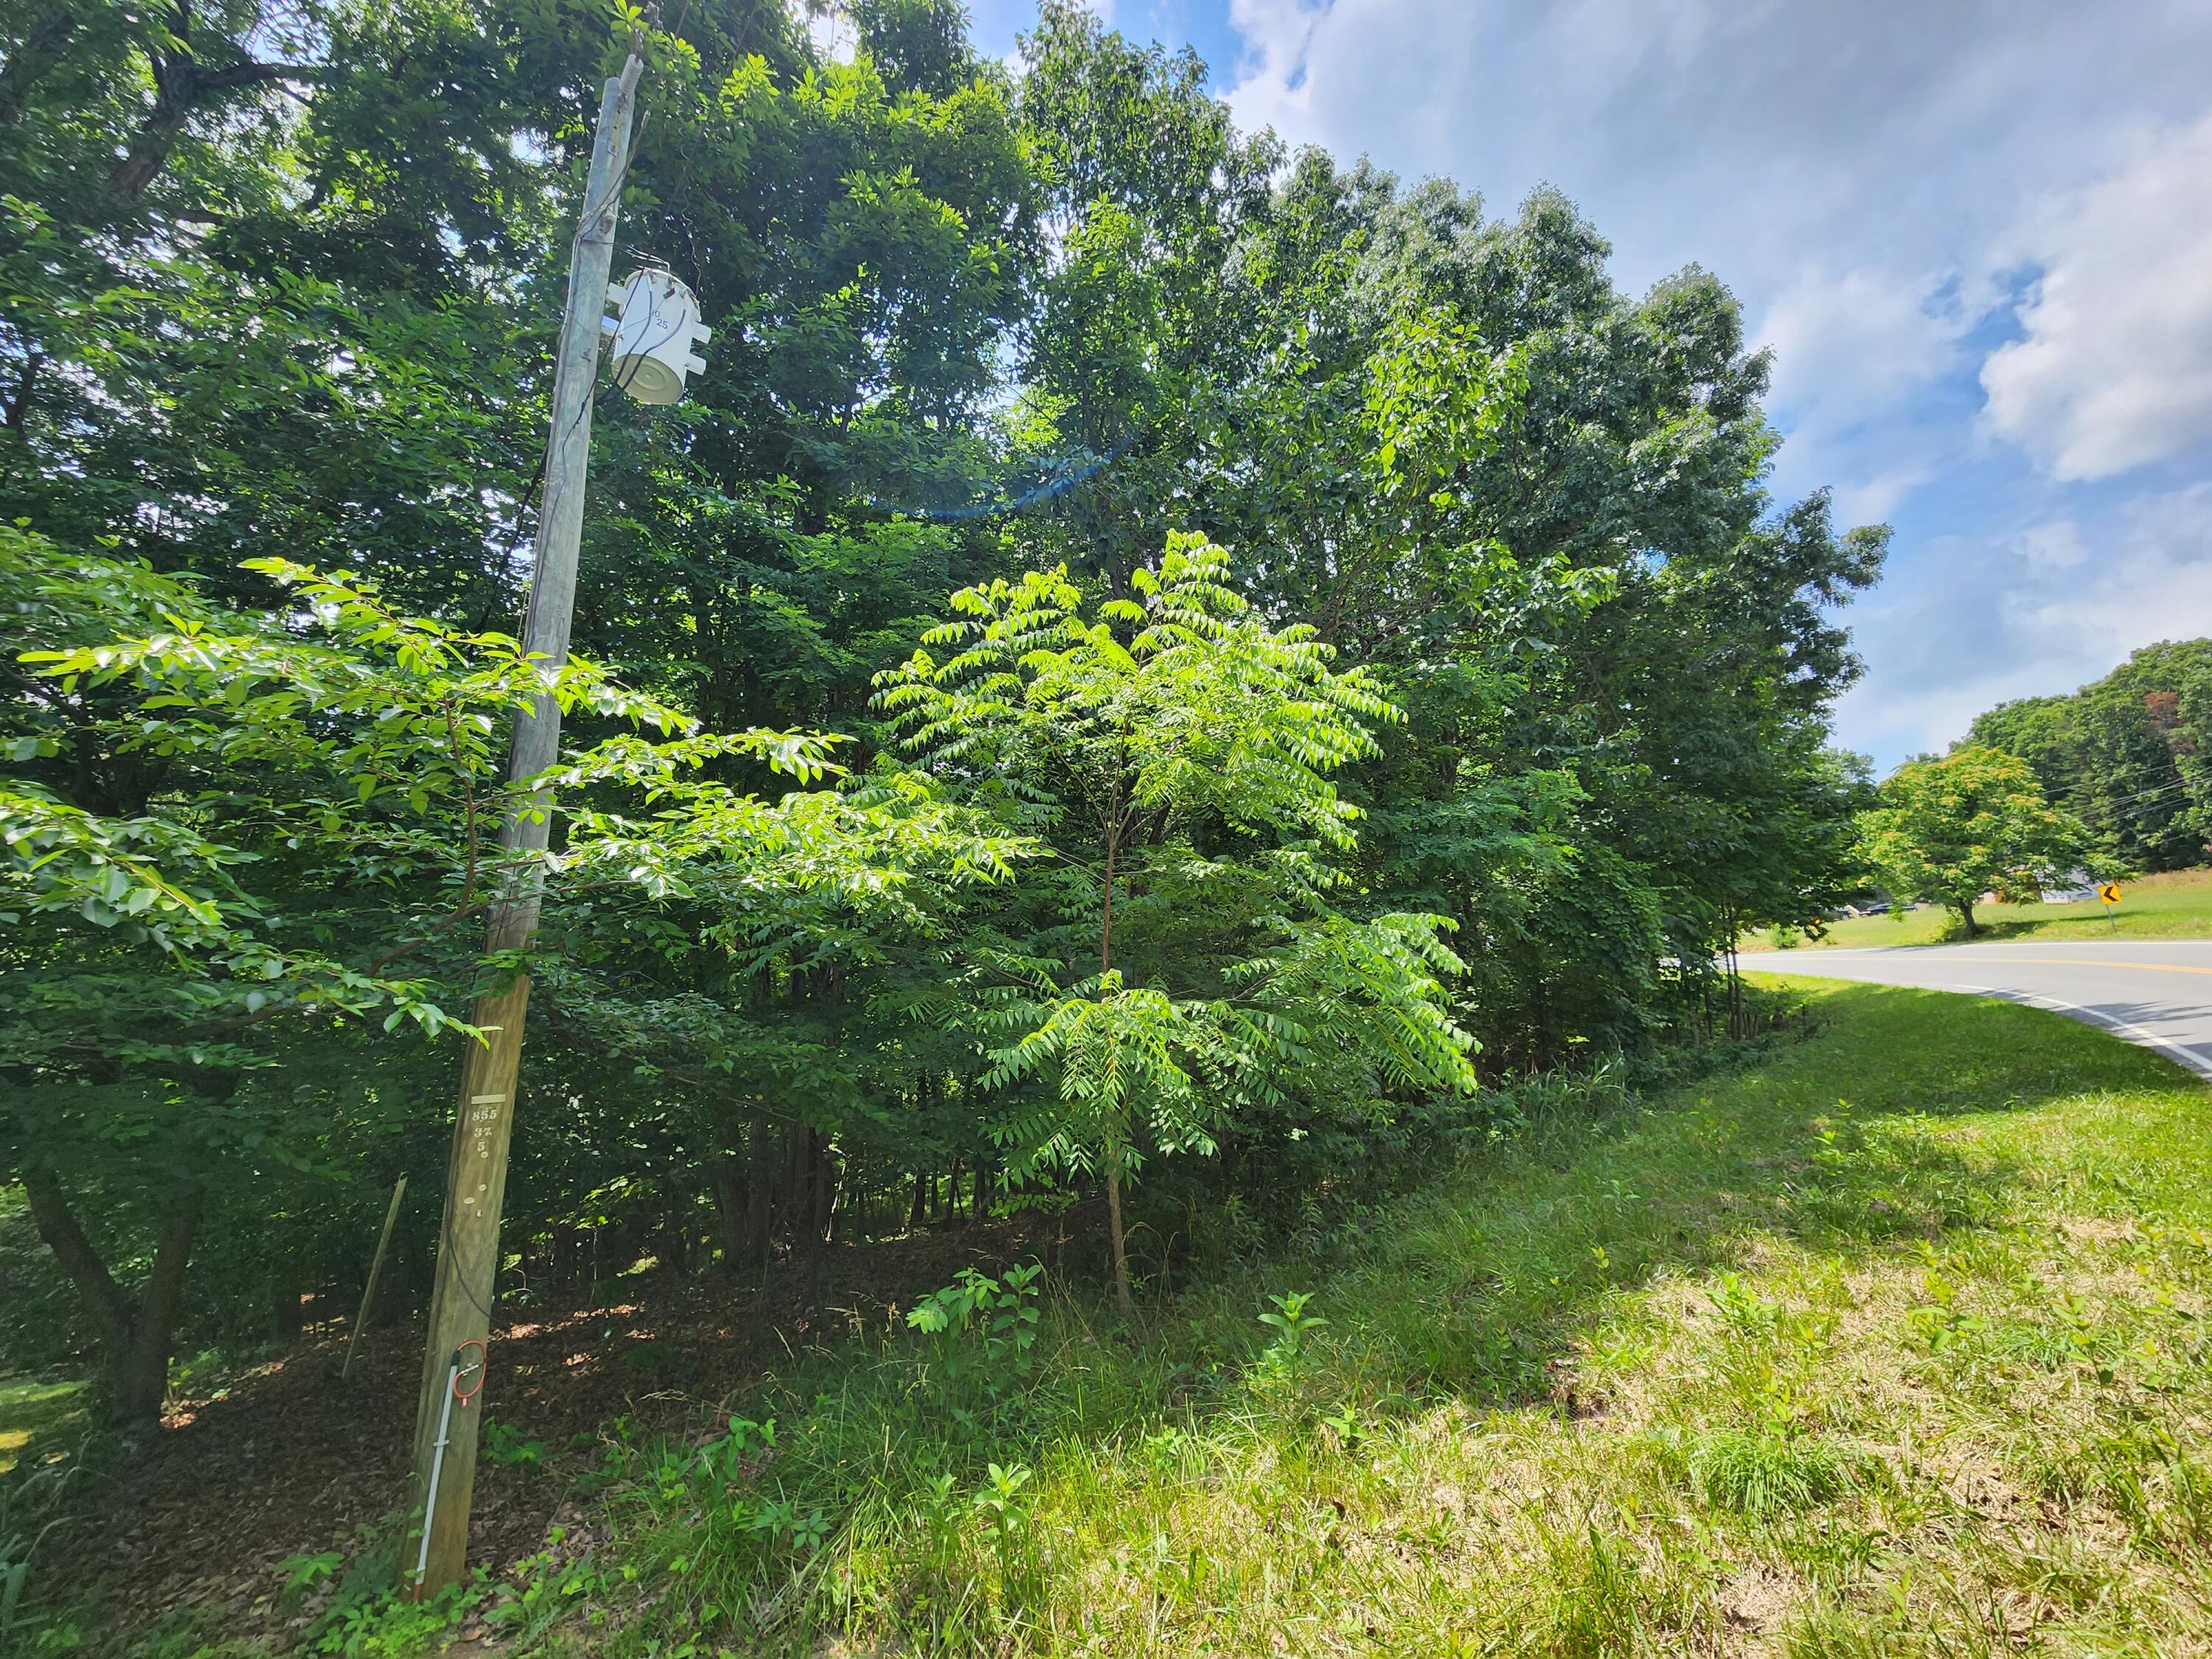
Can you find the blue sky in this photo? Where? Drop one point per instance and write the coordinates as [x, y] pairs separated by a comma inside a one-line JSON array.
[[1977, 235]]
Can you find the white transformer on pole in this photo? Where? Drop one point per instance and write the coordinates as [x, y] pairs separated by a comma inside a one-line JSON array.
[[654, 336]]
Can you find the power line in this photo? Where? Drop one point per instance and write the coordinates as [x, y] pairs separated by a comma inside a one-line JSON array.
[[1059, 485]]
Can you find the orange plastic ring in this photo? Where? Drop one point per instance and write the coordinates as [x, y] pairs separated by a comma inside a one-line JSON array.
[[461, 1367]]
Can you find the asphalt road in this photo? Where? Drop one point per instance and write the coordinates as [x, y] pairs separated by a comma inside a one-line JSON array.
[[2157, 992]]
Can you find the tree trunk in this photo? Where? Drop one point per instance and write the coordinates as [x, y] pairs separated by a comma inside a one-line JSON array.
[[760, 1213], [287, 1311], [1965, 909], [19, 409], [804, 1187], [1128, 1303], [798, 1190], [141, 1331], [181, 88], [675, 1250], [156, 136], [918, 1212], [45, 45], [732, 1215]]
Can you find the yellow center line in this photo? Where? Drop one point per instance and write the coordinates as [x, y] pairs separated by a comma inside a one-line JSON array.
[[2092, 962]]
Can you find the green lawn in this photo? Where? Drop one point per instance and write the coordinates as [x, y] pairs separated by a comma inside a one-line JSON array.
[[32, 1410], [2177, 905], [1892, 1343]]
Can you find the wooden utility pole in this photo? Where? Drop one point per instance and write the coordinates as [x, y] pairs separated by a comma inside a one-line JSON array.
[[476, 1171]]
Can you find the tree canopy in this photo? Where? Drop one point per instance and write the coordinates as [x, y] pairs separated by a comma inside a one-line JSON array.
[[1955, 829], [2124, 754], [1376, 662]]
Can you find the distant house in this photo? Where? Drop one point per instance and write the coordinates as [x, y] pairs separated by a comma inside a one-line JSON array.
[[2079, 889]]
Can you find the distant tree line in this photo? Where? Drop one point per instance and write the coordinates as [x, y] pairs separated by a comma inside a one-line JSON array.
[[2047, 792], [2127, 754], [1149, 665]]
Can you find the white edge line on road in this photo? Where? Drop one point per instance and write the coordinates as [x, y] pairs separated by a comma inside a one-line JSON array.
[[2182, 1055]]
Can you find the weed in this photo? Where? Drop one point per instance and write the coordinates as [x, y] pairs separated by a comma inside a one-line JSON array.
[[1349, 1428], [391, 1625], [1592, 1606], [1293, 1325], [724, 1461], [984, 1327], [1742, 1309], [1762, 1473], [31, 1511], [545, 1587], [298, 1575], [999, 1502], [784, 1521], [504, 1444]]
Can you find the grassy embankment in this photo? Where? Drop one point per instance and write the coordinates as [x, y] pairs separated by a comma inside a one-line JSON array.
[[1893, 1342], [2175, 905]]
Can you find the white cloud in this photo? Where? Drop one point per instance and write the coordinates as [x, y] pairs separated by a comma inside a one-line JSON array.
[[1270, 87], [1853, 352], [1858, 173], [2144, 575], [2054, 545], [1875, 499], [1873, 180], [2044, 607], [1853, 346], [1869, 723], [2113, 367]]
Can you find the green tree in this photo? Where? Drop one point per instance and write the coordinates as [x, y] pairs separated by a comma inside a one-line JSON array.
[[306, 866], [1177, 751], [1951, 830], [318, 328], [972, 318], [2123, 754], [1538, 507], [1144, 185]]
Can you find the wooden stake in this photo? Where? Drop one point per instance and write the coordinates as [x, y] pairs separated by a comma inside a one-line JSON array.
[[375, 1266]]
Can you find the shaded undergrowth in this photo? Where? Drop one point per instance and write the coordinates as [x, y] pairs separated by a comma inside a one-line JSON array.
[[1890, 1343]]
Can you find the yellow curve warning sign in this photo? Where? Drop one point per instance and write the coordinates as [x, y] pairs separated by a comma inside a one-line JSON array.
[[2109, 891]]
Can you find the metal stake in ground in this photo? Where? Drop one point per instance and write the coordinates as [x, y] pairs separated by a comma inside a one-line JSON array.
[[476, 1172], [455, 1394]]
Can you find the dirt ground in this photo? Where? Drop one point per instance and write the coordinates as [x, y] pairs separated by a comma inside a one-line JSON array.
[[288, 1459]]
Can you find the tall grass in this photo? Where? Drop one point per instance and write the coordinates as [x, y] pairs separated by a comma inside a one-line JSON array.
[[1891, 1344]]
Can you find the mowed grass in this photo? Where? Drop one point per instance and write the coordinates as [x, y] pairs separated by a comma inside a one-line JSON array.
[[1893, 1342], [2175, 905]]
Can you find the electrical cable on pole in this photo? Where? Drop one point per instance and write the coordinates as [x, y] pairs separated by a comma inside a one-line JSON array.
[[475, 1177]]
